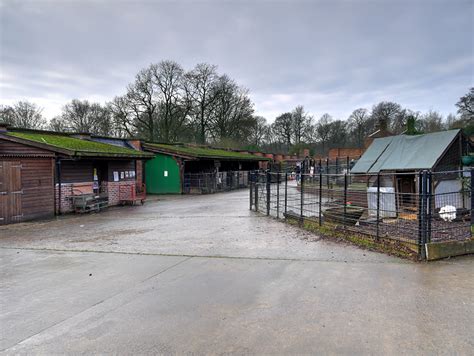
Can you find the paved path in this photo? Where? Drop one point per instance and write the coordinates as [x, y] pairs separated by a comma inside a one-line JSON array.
[[203, 274]]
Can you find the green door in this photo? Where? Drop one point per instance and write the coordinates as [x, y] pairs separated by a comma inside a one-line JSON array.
[[162, 175]]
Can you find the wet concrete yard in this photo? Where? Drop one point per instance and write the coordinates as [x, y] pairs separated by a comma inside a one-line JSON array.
[[204, 274]]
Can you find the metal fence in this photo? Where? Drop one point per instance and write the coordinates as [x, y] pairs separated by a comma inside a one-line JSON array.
[[338, 165], [207, 183], [411, 207]]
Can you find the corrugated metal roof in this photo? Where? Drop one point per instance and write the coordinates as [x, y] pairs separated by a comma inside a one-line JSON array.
[[404, 152]]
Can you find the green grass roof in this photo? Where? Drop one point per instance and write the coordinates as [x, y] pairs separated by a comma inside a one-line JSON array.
[[79, 147], [205, 152]]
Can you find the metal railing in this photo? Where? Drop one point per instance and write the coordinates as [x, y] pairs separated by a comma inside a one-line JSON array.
[[414, 208], [208, 183]]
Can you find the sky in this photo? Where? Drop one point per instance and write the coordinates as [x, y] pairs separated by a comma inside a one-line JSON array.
[[329, 56]]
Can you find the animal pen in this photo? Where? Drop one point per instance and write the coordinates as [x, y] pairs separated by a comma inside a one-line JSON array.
[[433, 220], [205, 183]]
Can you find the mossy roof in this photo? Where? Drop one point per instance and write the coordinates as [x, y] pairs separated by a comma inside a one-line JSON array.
[[204, 152], [77, 146]]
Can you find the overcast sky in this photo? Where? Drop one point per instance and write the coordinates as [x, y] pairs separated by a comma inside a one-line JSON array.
[[330, 56]]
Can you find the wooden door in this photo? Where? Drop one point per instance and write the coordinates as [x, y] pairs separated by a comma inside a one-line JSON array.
[[406, 188], [10, 192]]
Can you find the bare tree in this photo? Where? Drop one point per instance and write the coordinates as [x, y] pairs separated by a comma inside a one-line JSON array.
[[466, 105], [282, 129], [57, 124], [322, 130], [122, 116], [432, 121], [231, 116], [301, 124], [142, 103], [358, 124], [174, 99], [7, 115], [23, 114], [386, 114], [259, 131], [201, 82], [83, 116]]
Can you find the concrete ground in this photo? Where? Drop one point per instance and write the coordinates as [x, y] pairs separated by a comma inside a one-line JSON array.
[[203, 274]]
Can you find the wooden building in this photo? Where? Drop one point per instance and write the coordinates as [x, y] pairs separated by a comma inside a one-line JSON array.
[[40, 171], [174, 165], [399, 159]]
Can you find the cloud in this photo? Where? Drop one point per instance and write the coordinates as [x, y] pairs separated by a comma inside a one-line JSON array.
[[328, 56]]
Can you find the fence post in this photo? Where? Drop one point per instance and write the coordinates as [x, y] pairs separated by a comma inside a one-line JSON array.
[[251, 190], [278, 195], [348, 169], [425, 207], [320, 195], [327, 174], [378, 206], [422, 214], [302, 197], [286, 191], [472, 200], [257, 178], [268, 191], [345, 199], [429, 206]]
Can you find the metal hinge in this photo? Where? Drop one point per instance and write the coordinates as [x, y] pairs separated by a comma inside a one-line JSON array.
[[17, 192], [3, 193]]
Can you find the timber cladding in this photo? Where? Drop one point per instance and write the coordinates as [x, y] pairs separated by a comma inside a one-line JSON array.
[[76, 171], [10, 149], [26, 189]]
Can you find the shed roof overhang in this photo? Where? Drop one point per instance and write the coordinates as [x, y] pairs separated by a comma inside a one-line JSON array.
[[70, 153], [199, 153]]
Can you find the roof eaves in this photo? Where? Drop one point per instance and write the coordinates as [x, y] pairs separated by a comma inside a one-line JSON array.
[[32, 143], [75, 153], [154, 149]]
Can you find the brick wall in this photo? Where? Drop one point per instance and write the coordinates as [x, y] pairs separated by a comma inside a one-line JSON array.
[[113, 190], [66, 193], [345, 152]]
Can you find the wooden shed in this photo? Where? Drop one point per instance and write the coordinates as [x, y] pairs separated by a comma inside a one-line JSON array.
[[40, 171], [175, 167]]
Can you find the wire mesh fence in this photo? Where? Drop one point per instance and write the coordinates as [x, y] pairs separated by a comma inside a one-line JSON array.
[[207, 183], [412, 207]]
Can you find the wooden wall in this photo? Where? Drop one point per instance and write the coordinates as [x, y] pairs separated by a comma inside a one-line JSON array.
[[13, 148], [37, 200], [76, 171], [121, 166]]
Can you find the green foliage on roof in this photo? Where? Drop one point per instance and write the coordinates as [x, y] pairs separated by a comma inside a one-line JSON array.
[[78, 146], [205, 152]]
